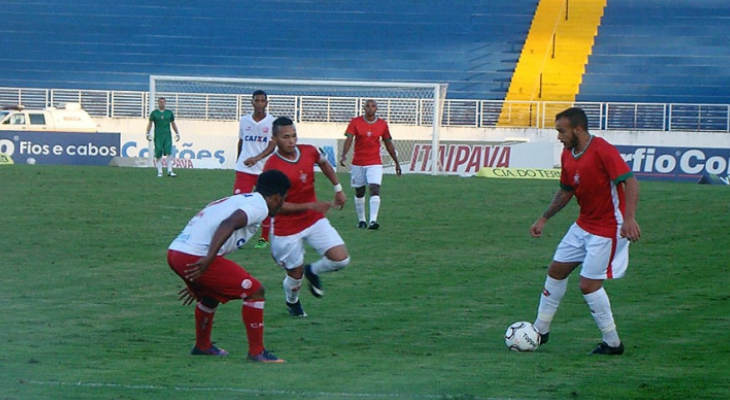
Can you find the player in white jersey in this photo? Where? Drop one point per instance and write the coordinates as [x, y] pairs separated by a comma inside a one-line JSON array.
[[254, 146], [196, 255]]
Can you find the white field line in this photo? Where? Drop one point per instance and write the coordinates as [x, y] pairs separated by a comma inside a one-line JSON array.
[[269, 392]]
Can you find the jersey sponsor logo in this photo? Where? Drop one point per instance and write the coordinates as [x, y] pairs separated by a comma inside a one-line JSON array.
[[675, 163], [240, 242], [254, 138]]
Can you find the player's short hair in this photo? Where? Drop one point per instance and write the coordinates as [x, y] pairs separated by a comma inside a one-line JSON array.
[[258, 93], [279, 122], [575, 115], [162, 98], [272, 182]]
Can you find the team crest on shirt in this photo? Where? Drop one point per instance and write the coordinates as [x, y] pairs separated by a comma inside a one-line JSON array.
[[302, 177], [370, 133], [576, 179]]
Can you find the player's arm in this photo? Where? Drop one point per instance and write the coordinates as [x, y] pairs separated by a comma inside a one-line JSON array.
[[345, 148], [330, 173], [630, 228], [147, 131], [177, 132], [560, 200], [393, 154], [268, 150], [235, 221]]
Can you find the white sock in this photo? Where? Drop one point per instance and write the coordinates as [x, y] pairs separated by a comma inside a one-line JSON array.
[[360, 208], [374, 208], [324, 265], [169, 164], [291, 289], [552, 294], [159, 165], [601, 310]]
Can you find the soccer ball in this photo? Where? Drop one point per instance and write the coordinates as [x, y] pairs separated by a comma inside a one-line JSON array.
[[522, 336]]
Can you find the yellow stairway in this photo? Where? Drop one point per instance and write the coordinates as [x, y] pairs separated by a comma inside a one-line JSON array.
[[553, 59]]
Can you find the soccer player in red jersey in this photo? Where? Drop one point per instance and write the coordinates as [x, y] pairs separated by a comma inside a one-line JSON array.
[[367, 168], [254, 145], [607, 194], [196, 255], [302, 218]]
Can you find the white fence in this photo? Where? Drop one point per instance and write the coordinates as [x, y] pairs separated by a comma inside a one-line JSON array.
[[456, 113]]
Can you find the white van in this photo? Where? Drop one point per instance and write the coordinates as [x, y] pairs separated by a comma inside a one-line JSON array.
[[71, 118]]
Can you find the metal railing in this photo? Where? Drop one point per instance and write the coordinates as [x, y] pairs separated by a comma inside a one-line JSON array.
[[407, 111]]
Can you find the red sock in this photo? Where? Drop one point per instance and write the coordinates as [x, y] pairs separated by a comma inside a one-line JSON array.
[[203, 326], [266, 228], [252, 313]]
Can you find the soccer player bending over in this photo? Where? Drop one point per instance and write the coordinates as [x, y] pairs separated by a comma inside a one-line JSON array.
[[302, 219], [593, 171], [196, 255]]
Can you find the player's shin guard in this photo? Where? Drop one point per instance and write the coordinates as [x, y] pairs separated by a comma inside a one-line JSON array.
[[252, 314], [203, 326], [374, 208], [324, 265], [552, 294], [601, 310], [159, 165], [360, 208], [291, 289]]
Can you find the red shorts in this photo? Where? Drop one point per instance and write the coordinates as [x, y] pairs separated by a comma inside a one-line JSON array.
[[224, 280], [244, 182]]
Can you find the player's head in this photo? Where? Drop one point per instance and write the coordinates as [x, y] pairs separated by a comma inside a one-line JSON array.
[[259, 101], [570, 124], [273, 185], [285, 135], [371, 107], [161, 102]]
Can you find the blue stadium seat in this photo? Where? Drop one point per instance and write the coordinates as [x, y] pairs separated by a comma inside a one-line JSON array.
[[116, 45], [660, 51]]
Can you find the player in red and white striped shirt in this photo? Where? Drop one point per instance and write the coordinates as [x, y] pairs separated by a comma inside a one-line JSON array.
[[607, 193]]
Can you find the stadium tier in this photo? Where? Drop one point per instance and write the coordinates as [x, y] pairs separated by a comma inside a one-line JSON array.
[[472, 45], [653, 51], [660, 51]]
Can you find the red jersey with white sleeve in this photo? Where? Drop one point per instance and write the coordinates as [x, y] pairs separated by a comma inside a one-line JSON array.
[[367, 139], [255, 136], [196, 236], [594, 177], [300, 172]]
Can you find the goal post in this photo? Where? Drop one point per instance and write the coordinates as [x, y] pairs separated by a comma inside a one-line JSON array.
[[411, 104]]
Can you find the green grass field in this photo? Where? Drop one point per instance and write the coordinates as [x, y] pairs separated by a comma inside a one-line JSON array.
[[89, 306]]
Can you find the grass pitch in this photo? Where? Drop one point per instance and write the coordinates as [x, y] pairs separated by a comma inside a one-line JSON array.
[[89, 307]]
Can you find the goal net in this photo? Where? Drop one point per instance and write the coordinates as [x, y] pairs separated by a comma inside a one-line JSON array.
[[409, 108]]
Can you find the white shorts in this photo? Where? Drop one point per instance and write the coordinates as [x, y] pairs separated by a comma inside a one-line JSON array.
[[366, 175], [288, 251], [602, 257]]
